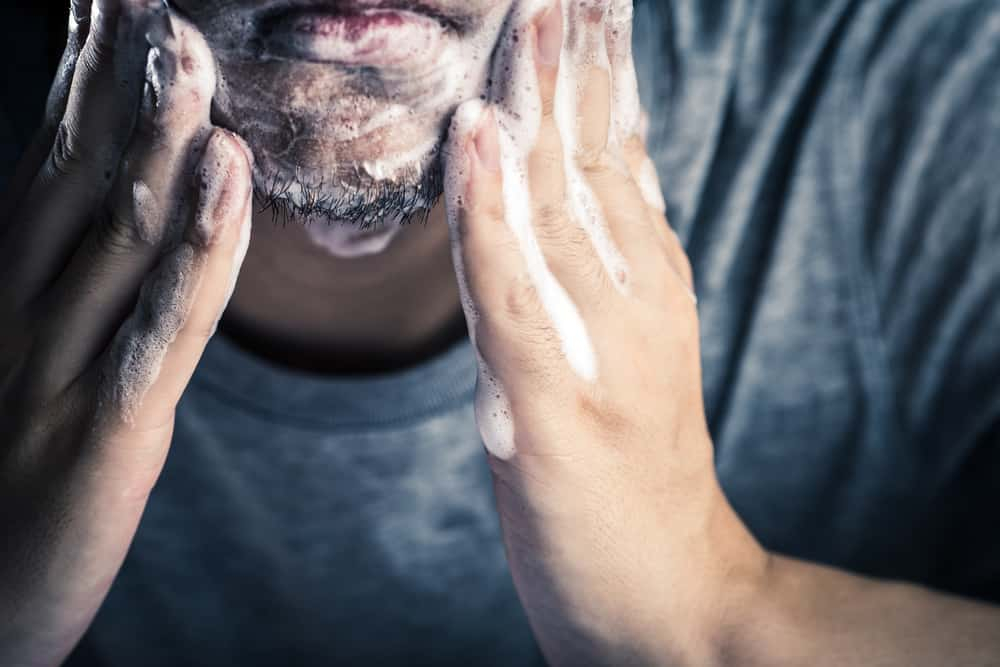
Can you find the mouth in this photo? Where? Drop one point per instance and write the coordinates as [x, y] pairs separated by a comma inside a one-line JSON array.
[[359, 33]]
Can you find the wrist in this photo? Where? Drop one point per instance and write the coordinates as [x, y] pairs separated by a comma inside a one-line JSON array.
[[715, 598]]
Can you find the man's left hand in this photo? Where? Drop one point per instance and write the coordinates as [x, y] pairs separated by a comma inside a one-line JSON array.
[[579, 301]]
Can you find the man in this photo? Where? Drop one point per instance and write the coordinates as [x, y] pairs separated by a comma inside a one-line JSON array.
[[326, 499]]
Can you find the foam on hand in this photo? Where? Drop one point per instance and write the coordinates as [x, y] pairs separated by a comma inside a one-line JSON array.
[[517, 108], [146, 213], [584, 48], [492, 407], [180, 65], [518, 113]]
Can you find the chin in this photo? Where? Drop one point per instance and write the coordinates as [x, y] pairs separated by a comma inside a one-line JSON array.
[[346, 97]]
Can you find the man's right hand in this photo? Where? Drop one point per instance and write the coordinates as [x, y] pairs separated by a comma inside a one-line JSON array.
[[120, 241]]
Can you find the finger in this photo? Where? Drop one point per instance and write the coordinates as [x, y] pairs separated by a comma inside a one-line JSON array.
[[610, 117], [626, 106], [644, 175], [631, 128], [492, 406], [154, 353], [528, 327], [152, 191], [629, 121], [82, 161], [630, 223], [572, 230], [565, 242], [545, 161], [510, 300], [586, 48]]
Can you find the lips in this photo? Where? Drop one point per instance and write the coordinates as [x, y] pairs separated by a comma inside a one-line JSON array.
[[372, 33]]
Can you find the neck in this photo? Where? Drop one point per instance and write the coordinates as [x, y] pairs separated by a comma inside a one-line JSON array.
[[298, 305]]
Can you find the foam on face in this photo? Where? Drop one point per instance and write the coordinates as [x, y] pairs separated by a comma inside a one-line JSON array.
[[339, 131], [517, 108]]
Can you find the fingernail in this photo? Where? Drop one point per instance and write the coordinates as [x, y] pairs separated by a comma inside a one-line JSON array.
[[486, 144], [218, 194], [549, 31], [244, 146]]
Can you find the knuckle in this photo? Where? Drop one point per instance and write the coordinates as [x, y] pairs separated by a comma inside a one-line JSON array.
[[607, 416], [95, 53], [68, 152], [548, 145], [521, 300], [117, 234], [548, 106], [550, 220], [99, 49], [588, 156], [599, 166]]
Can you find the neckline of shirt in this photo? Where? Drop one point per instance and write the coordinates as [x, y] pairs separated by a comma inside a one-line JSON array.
[[277, 393]]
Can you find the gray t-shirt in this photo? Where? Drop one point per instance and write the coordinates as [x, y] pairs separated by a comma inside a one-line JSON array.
[[832, 169]]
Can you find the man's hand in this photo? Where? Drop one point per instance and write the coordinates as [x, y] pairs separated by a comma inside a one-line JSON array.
[[122, 236], [621, 544], [579, 300]]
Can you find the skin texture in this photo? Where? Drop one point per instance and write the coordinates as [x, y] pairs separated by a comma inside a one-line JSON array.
[[109, 306], [621, 543], [129, 219], [338, 127]]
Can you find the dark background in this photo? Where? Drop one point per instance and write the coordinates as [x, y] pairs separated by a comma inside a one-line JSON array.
[[25, 69]]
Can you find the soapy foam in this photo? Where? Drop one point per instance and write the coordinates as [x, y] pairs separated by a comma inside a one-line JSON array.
[[214, 174], [139, 348], [649, 185], [347, 242], [492, 407], [626, 108], [145, 213], [585, 47], [405, 108], [519, 119], [628, 118], [182, 65], [518, 113]]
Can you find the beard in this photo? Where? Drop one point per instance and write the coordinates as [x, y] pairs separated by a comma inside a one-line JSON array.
[[341, 140], [362, 201]]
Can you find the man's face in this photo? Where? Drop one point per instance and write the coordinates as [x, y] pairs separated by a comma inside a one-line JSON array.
[[345, 102]]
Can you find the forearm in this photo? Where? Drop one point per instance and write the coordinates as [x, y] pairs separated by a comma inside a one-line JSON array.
[[808, 614]]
